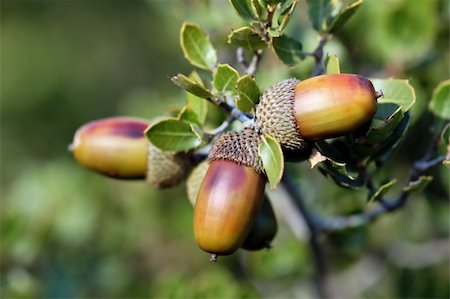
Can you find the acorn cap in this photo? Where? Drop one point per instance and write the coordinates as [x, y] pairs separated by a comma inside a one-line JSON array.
[[165, 169], [275, 115], [238, 147]]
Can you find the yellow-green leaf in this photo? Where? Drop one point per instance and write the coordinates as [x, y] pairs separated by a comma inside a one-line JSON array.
[[196, 46], [172, 134], [440, 101], [272, 159], [248, 93], [332, 65]]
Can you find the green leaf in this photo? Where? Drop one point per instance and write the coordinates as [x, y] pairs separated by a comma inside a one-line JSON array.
[[330, 15], [383, 149], [337, 171], [225, 79], [247, 38], [172, 134], [198, 105], [259, 10], [202, 135], [382, 128], [319, 11], [288, 49], [332, 65], [418, 185], [186, 114], [395, 91], [243, 8], [344, 14], [272, 159], [196, 46], [191, 86], [286, 14], [382, 190], [440, 101], [248, 93]]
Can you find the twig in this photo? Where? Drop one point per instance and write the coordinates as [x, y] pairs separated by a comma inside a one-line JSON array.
[[317, 251], [319, 67], [254, 63], [250, 68]]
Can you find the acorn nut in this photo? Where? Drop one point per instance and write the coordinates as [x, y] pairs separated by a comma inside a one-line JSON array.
[[295, 112], [231, 193], [117, 147]]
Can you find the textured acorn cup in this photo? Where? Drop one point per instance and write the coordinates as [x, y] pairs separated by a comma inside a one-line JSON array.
[[166, 169], [321, 107], [264, 229], [115, 147], [230, 195]]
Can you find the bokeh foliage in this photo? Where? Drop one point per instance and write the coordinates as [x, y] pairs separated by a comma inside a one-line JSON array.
[[66, 232]]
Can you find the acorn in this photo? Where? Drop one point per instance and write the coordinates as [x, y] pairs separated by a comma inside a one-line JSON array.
[[231, 193], [117, 147], [298, 112], [264, 229]]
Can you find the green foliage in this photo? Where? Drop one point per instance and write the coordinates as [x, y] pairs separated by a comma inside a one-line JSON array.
[[191, 86], [382, 190], [440, 101], [225, 79], [272, 159], [332, 65], [329, 16], [196, 46], [197, 104], [247, 38], [418, 185], [248, 92], [243, 8], [288, 49], [395, 91], [172, 135]]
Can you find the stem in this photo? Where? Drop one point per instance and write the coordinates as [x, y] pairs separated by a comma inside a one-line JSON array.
[[319, 67], [320, 279]]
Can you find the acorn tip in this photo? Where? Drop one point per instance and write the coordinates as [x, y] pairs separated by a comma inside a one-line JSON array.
[[213, 258]]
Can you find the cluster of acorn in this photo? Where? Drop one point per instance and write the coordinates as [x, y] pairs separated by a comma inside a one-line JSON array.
[[228, 212]]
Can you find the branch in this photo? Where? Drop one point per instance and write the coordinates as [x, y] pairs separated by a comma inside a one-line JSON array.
[[317, 251], [319, 67], [250, 68]]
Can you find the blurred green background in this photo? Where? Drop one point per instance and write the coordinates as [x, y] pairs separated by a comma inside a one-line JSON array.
[[69, 233]]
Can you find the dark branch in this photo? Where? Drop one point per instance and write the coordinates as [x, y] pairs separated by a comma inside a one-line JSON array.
[[316, 249], [319, 67]]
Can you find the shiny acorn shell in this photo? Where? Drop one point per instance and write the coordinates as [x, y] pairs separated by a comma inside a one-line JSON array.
[[115, 147], [227, 205], [333, 105]]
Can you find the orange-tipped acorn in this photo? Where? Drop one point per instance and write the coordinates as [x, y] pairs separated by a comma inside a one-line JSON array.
[[114, 146], [117, 147], [326, 106], [230, 195]]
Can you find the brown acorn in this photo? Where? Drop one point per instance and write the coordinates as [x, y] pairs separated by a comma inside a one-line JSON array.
[[264, 229], [295, 112], [231, 193], [117, 147]]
